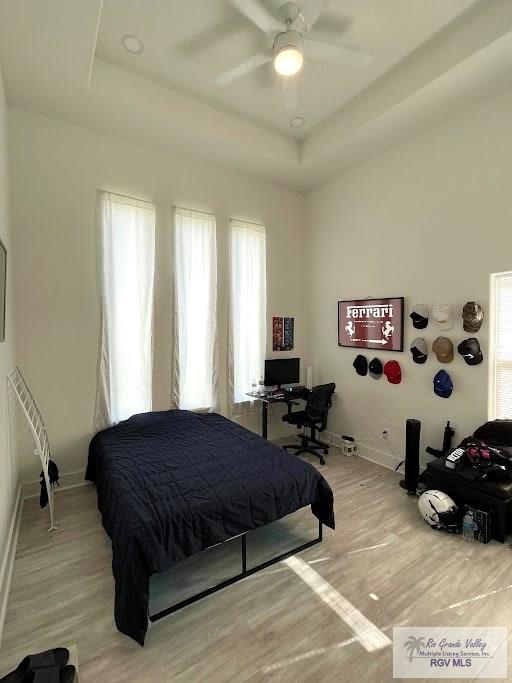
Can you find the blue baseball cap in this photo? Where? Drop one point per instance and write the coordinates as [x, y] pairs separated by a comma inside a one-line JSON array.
[[443, 385]]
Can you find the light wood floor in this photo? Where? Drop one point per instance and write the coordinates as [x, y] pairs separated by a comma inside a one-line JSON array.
[[270, 627]]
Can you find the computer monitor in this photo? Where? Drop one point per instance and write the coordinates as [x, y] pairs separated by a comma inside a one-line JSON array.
[[279, 371]]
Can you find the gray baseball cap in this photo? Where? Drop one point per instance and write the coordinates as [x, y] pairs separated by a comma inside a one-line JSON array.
[[419, 350], [375, 368]]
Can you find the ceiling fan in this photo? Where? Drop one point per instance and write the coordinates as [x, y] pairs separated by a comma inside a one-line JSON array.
[[291, 39]]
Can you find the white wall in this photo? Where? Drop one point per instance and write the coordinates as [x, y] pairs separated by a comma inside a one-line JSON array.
[[8, 464], [428, 220], [56, 170]]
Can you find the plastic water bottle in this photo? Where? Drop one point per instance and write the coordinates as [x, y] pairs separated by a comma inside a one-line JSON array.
[[468, 530], [253, 386]]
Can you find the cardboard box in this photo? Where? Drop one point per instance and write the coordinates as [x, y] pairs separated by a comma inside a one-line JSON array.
[[482, 521]]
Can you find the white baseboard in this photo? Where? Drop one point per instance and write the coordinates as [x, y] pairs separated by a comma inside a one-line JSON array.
[[31, 489], [9, 554], [375, 455], [331, 438]]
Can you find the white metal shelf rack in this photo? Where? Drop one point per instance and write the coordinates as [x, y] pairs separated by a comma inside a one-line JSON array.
[[36, 425]]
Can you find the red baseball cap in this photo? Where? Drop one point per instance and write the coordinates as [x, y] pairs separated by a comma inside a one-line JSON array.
[[393, 372]]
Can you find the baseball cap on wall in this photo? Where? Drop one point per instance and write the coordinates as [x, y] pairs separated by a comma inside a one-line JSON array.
[[472, 316], [419, 316], [419, 350], [443, 385], [375, 368], [393, 372], [443, 348], [361, 365], [443, 315], [470, 350]]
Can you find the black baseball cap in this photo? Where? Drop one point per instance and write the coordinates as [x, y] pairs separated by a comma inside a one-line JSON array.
[[361, 365], [419, 316], [470, 350], [375, 368]]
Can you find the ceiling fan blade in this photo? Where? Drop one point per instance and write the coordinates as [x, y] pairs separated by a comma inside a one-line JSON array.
[[259, 15], [290, 91], [310, 12], [319, 49], [245, 68], [198, 43]]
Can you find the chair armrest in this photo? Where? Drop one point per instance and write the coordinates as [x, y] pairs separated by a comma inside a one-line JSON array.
[[289, 405]]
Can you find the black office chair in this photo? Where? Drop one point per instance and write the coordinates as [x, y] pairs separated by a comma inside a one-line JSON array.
[[314, 416]]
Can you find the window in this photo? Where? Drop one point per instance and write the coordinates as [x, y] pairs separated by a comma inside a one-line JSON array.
[[500, 386], [248, 303], [195, 269], [127, 246]]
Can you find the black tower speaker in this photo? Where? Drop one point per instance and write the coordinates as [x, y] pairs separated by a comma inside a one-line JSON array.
[[412, 456]]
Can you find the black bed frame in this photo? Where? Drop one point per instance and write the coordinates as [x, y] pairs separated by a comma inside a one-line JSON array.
[[238, 577]]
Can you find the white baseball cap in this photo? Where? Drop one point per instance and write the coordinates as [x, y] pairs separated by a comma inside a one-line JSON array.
[[443, 315]]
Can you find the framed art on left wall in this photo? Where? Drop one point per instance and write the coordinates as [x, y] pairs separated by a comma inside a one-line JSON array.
[[3, 286]]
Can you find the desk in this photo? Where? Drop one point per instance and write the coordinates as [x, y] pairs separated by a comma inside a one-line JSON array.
[[266, 399]]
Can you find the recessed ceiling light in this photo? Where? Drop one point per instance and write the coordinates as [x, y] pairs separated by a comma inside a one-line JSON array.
[[132, 44], [297, 121]]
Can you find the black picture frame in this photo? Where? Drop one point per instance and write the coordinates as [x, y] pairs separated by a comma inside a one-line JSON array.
[[368, 302], [3, 289]]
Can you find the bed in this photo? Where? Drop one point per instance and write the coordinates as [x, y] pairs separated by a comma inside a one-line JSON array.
[[173, 483]]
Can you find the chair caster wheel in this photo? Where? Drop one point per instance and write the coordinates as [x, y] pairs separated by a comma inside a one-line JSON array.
[[325, 451], [322, 461]]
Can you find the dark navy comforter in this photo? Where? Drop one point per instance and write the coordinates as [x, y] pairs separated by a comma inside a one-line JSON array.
[[173, 483]]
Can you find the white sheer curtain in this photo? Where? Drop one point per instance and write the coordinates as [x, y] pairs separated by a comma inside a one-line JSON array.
[[127, 258], [248, 315], [195, 341]]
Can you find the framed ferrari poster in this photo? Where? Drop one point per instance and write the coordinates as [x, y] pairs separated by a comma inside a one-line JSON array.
[[372, 323]]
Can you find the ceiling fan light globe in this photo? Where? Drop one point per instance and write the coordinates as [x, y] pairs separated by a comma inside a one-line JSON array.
[[288, 61]]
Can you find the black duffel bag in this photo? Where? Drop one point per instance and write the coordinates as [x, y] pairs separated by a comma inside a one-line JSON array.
[[489, 451], [495, 433]]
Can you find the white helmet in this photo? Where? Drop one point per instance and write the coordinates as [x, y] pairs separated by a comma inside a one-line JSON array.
[[438, 510]]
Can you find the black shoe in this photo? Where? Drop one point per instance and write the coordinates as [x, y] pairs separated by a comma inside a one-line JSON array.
[[51, 675], [56, 658]]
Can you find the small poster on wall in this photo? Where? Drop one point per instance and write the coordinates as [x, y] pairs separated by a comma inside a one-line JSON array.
[[372, 323], [283, 333]]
